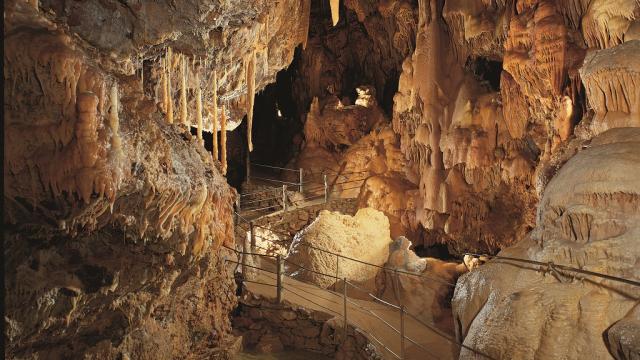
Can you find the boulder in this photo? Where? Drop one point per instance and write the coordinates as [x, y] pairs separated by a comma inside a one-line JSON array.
[[365, 236]]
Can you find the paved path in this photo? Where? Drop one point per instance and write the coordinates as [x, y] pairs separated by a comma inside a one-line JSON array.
[[361, 314]]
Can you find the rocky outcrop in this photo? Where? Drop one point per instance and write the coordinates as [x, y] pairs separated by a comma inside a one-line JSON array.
[[586, 219], [364, 236], [610, 78], [480, 141], [115, 218], [371, 166], [215, 37], [422, 285]]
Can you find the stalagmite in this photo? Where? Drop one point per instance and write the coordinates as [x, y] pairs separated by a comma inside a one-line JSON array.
[[199, 108], [168, 62], [223, 140], [214, 116], [251, 88], [183, 90], [335, 11]]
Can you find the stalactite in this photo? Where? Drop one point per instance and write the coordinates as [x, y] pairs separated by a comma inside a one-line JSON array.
[[335, 11], [165, 95], [114, 121], [251, 87], [183, 90], [168, 64], [223, 139], [214, 117], [303, 28], [199, 108], [266, 47], [142, 76]]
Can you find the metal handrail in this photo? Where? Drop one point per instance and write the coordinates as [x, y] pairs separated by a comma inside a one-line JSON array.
[[400, 331], [275, 167], [552, 265]]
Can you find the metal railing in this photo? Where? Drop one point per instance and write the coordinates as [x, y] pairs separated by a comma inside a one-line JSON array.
[[279, 277]]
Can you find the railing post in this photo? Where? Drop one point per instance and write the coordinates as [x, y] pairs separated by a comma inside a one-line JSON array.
[[284, 198], [279, 278], [337, 274], [344, 310], [253, 237], [397, 287], [244, 257], [300, 180], [248, 166], [402, 353], [326, 193]]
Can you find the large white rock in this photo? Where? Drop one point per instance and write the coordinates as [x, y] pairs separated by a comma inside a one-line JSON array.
[[365, 236]]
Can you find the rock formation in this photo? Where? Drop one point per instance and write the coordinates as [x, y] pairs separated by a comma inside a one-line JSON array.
[[448, 122], [364, 236], [115, 218], [587, 219], [426, 295]]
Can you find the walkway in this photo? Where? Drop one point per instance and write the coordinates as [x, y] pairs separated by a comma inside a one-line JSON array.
[[379, 323]]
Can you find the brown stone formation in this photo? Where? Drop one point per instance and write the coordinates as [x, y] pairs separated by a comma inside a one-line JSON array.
[[209, 34], [479, 154], [114, 220], [491, 98], [456, 120], [587, 218]]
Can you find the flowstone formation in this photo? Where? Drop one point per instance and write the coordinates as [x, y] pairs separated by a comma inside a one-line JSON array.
[[490, 104], [115, 215], [586, 219], [492, 98], [358, 152]]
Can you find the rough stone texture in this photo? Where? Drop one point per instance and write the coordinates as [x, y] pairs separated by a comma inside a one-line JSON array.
[[610, 77], [372, 166], [226, 34], [364, 236], [114, 220], [491, 98], [427, 295], [263, 322], [587, 219]]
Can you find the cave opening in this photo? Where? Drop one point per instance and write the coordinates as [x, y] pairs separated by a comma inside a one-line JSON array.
[[438, 251], [277, 128], [486, 71]]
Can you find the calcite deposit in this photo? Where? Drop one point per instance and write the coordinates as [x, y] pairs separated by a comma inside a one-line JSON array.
[[115, 215], [422, 285], [491, 127], [587, 219], [364, 236]]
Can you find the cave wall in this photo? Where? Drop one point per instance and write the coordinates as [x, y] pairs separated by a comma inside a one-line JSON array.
[[483, 157], [115, 219], [492, 98]]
